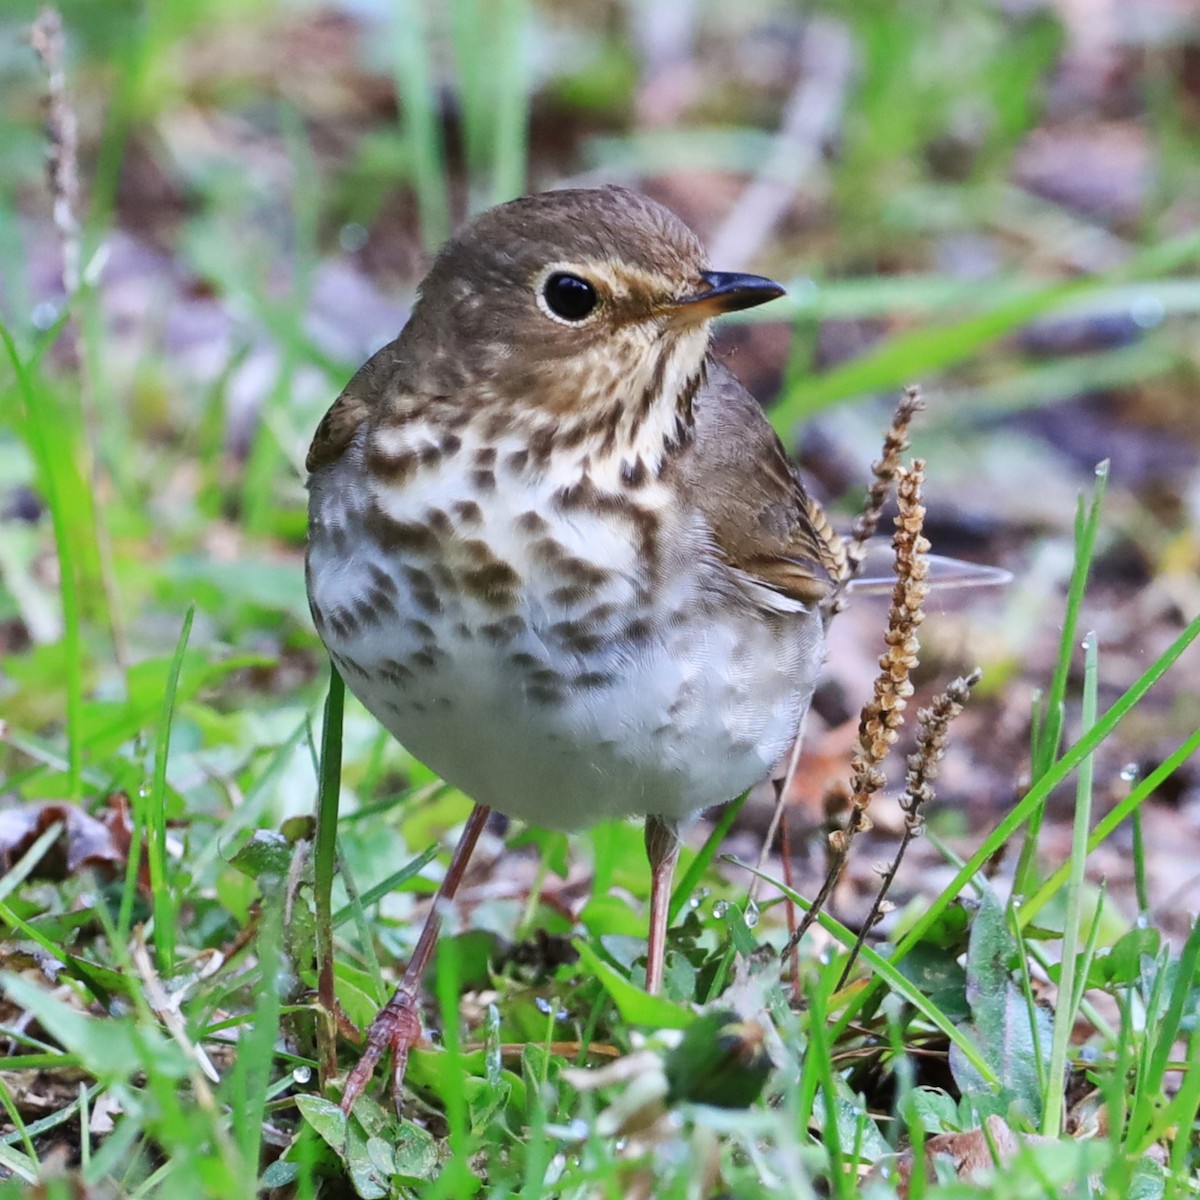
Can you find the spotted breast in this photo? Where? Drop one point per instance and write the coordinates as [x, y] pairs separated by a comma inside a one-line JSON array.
[[563, 642]]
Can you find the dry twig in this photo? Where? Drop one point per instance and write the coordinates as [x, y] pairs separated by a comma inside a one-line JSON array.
[[62, 138], [884, 471], [884, 713], [811, 120], [843, 559], [933, 725]]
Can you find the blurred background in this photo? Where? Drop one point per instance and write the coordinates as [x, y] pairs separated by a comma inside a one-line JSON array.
[[997, 199]]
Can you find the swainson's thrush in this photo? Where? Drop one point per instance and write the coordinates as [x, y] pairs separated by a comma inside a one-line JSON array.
[[555, 547]]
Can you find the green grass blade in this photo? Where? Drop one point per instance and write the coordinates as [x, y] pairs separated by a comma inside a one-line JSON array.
[[456, 1178], [1050, 724], [47, 447], [325, 852], [471, 76], [19, 1128], [1087, 523], [885, 972], [1036, 796], [363, 927], [1111, 820], [23, 867], [925, 351], [1025, 955], [696, 868], [207, 855], [385, 887], [1043, 384], [1064, 1016], [1181, 1114], [819, 1059], [1163, 1034], [154, 814], [921, 352], [1138, 851], [492, 80], [511, 102], [412, 50], [249, 1082]]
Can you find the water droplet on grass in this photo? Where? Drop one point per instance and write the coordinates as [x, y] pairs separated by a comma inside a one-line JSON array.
[[352, 236], [44, 314], [1147, 311]]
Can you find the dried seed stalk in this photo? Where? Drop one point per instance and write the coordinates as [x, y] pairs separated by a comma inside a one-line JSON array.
[[884, 471], [62, 138], [48, 40], [843, 559], [933, 725], [883, 714]]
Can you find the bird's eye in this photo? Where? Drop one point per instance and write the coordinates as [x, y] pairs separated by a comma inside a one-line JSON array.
[[568, 296]]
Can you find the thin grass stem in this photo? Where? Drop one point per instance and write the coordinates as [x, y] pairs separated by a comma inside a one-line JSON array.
[[325, 860], [1064, 1013], [412, 49], [696, 868], [153, 813], [1070, 759], [1087, 523], [48, 448]]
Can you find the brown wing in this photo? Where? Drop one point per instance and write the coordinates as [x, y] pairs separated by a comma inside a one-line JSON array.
[[365, 392], [737, 473]]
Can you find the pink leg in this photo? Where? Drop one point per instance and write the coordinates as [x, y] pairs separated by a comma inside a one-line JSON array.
[[398, 1023], [662, 849]]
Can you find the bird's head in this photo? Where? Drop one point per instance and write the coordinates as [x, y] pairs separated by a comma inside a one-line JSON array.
[[572, 302]]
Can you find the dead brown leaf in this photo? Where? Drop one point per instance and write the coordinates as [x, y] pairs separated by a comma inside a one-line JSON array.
[[970, 1152], [101, 843]]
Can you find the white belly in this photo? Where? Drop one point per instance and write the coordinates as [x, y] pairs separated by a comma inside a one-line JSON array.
[[559, 703]]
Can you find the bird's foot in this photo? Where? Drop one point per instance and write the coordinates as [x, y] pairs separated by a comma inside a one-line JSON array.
[[397, 1027]]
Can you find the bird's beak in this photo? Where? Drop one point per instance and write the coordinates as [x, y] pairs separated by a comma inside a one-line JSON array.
[[726, 291]]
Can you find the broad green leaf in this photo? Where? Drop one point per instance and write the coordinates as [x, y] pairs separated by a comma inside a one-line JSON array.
[[369, 1181], [1008, 1037], [326, 1118], [940, 976], [935, 1110], [414, 1153], [635, 1006]]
